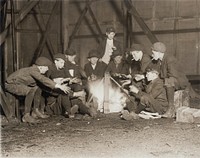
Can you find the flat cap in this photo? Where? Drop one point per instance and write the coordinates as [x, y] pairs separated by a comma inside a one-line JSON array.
[[93, 53], [59, 55], [116, 53], [110, 29], [70, 52], [136, 47], [43, 61], [159, 47]]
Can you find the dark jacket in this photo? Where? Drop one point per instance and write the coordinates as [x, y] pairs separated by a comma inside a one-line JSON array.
[[102, 47], [98, 71], [122, 68], [53, 72], [170, 68], [75, 67], [139, 67], [156, 90]]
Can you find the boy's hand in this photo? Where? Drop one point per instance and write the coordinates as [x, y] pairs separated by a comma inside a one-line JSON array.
[[134, 89], [139, 77], [92, 78], [58, 80], [75, 80], [65, 80], [64, 88]]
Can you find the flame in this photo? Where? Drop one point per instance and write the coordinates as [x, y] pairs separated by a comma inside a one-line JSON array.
[[116, 97]]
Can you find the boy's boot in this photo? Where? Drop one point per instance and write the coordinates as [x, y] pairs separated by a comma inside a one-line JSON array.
[[73, 111], [29, 119], [36, 113], [170, 113]]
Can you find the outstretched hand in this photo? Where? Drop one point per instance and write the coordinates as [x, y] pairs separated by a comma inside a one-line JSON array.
[[64, 88]]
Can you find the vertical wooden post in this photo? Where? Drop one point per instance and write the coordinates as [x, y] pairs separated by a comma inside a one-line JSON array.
[[65, 24], [106, 93], [14, 50], [127, 27]]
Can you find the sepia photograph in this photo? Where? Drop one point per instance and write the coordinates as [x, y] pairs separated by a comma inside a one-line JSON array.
[[100, 78]]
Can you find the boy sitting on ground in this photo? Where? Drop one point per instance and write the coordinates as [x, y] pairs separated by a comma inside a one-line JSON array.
[[153, 99]]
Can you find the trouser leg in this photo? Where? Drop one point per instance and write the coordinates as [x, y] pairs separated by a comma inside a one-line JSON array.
[[83, 109], [170, 97], [29, 100], [51, 103], [37, 98], [66, 104], [131, 106]]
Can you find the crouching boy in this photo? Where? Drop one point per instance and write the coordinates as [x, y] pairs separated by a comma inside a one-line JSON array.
[[24, 82], [153, 99]]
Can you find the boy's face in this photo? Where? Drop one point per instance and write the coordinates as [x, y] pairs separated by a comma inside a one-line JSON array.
[[43, 69], [71, 58], [155, 55], [110, 35], [151, 75], [93, 60], [137, 55], [118, 59], [59, 63]]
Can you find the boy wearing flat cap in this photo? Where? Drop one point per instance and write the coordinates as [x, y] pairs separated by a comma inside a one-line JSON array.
[[108, 45], [153, 98], [174, 78], [139, 61], [94, 69], [23, 82], [73, 70], [118, 68], [57, 74], [76, 75]]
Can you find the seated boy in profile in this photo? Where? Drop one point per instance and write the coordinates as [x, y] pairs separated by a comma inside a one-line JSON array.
[[154, 98]]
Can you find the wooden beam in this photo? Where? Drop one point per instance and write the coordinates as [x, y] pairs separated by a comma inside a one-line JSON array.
[[40, 21], [13, 33], [24, 11], [76, 28], [142, 33], [95, 22], [65, 25], [140, 21], [5, 104], [129, 29], [107, 83], [39, 49]]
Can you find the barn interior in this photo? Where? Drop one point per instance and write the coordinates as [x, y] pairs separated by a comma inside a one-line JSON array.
[[35, 28]]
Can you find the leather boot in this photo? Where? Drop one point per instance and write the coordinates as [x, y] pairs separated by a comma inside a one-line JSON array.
[[170, 113], [73, 111], [36, 113], [92, 111], [126, 115], [29, 119]]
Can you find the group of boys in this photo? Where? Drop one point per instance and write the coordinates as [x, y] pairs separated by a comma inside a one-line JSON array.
[[152, 80]]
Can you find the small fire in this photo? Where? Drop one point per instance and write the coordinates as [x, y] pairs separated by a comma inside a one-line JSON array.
[[117, 99]]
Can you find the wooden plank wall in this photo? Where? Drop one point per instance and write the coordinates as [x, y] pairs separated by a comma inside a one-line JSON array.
[[157, 14]]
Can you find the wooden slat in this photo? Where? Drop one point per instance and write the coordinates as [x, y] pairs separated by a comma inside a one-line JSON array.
[[5, 104], [40, 21], [142, 33], [45, 35], [95, 22], [140, 21], [79, 22], [24, 11]]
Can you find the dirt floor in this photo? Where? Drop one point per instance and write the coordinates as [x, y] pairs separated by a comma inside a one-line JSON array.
[[106, 136]]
